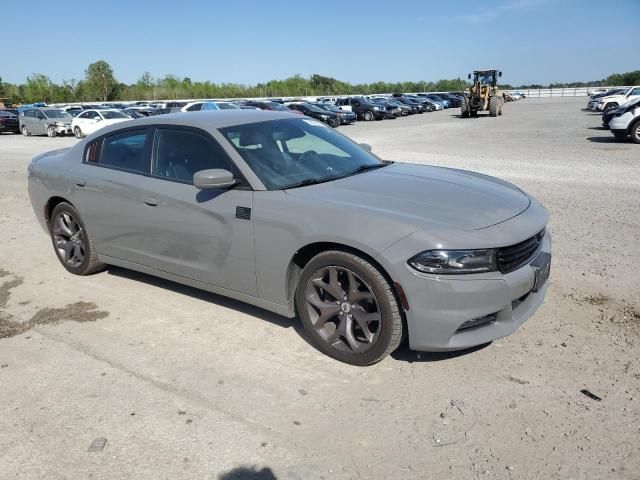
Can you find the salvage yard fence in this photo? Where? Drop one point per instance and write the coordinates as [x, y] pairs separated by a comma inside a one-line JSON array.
[[557, 92]]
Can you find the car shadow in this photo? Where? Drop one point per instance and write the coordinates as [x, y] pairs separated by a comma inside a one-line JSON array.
[[405, 354], [248, 473], [598, 128], [610, 139], [203, 295]]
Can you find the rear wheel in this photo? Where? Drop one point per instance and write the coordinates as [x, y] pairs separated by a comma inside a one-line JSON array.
[[348, 308], [634, 131], [368, 115], [51, 131], [464, 108], [72, 242], [494, 105]]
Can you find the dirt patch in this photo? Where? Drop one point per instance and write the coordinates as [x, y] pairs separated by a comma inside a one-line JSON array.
[[78, 312], [5, 290], [597, 299]]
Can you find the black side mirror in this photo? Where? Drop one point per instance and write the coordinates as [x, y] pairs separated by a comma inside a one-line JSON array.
[[469, 76], [499, 74]]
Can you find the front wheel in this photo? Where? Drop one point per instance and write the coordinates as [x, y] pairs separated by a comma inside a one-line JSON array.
[[368, 115], [77, 132], [634, 131], [348, 308], [51, 131], [25, 131], [72, 242]]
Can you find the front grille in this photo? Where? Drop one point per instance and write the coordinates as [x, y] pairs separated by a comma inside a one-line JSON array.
[[513, 257]]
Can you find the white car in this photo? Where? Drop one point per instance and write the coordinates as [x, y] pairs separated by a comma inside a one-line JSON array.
[[626, 121], [90, 121], [613, 101], [197, 106], [226, 106]]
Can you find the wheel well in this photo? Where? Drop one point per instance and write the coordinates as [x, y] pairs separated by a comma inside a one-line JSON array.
[[306, 253], [51, 204]]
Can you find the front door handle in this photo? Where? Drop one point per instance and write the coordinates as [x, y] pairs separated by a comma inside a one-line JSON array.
[[80, 182], [152, 202]]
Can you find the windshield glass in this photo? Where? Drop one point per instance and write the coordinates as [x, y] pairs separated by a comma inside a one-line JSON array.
[[485, 77], [112, 115], [227, 106], [56, 113], [290, 152]]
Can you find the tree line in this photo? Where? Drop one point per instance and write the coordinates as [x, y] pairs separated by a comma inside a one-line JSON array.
[[100, 84]]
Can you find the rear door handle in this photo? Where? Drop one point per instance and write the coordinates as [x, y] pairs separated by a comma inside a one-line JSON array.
[[80, 182], [152, 202]]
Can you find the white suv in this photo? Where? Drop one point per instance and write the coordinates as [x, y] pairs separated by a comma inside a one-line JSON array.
[[626, 121], [613, 101]]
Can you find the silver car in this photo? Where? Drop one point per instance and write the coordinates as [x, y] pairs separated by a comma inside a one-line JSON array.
[[282, 212], [45, 121]]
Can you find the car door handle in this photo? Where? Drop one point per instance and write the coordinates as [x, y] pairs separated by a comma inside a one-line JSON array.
[[80, 182], [152, 202]]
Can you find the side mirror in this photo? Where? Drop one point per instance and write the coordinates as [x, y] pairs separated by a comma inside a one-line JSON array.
[[367, 147], [213, 178], [97, 118], [469, 76], [499, 74]]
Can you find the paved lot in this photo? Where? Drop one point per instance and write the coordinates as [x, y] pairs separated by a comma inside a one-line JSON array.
[[186, 384]]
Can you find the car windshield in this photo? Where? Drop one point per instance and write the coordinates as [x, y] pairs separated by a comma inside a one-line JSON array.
[[277, 107], [313, 108], [227, 106], [294, 152], [55, 113], [112, 115], [6, 114]]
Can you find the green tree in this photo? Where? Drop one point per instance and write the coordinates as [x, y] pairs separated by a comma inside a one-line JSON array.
[[39, 88], [100, 81]]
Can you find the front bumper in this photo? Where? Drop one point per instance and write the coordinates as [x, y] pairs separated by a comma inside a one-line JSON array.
[[63, 129], [441, 306]]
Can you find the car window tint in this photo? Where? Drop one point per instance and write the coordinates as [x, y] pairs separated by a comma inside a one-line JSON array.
[[125, 150], [196, 107], [179, 154]]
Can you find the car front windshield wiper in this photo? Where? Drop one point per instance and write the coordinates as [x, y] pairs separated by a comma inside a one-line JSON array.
[[308, 181], [364, 168]]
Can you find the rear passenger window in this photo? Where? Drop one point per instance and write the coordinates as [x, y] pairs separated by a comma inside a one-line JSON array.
[[179, 154], [123, 150]]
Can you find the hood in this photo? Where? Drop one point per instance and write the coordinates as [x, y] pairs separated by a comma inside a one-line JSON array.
[[66, 121], [425, 196]]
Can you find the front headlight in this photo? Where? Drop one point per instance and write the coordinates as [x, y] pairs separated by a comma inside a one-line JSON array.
[[59, 124], [448, 262], [376, 108]]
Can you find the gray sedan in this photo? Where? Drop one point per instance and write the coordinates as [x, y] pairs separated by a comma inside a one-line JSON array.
[[282, 212], [45, 121]]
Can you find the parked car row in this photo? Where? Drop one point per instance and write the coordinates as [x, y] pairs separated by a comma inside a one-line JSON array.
[[624, 121], [612, 98], [85, 119]]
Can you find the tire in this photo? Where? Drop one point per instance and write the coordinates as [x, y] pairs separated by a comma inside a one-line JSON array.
[[609, 106], [25, 131], [334, 122], [362, 296], [70, 239], [51, 131], [368, 115], [634, 131], [77, 132], [464, 108], [494, 105]]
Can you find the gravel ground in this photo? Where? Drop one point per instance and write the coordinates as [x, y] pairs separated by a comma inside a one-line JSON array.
[[186, 384]]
